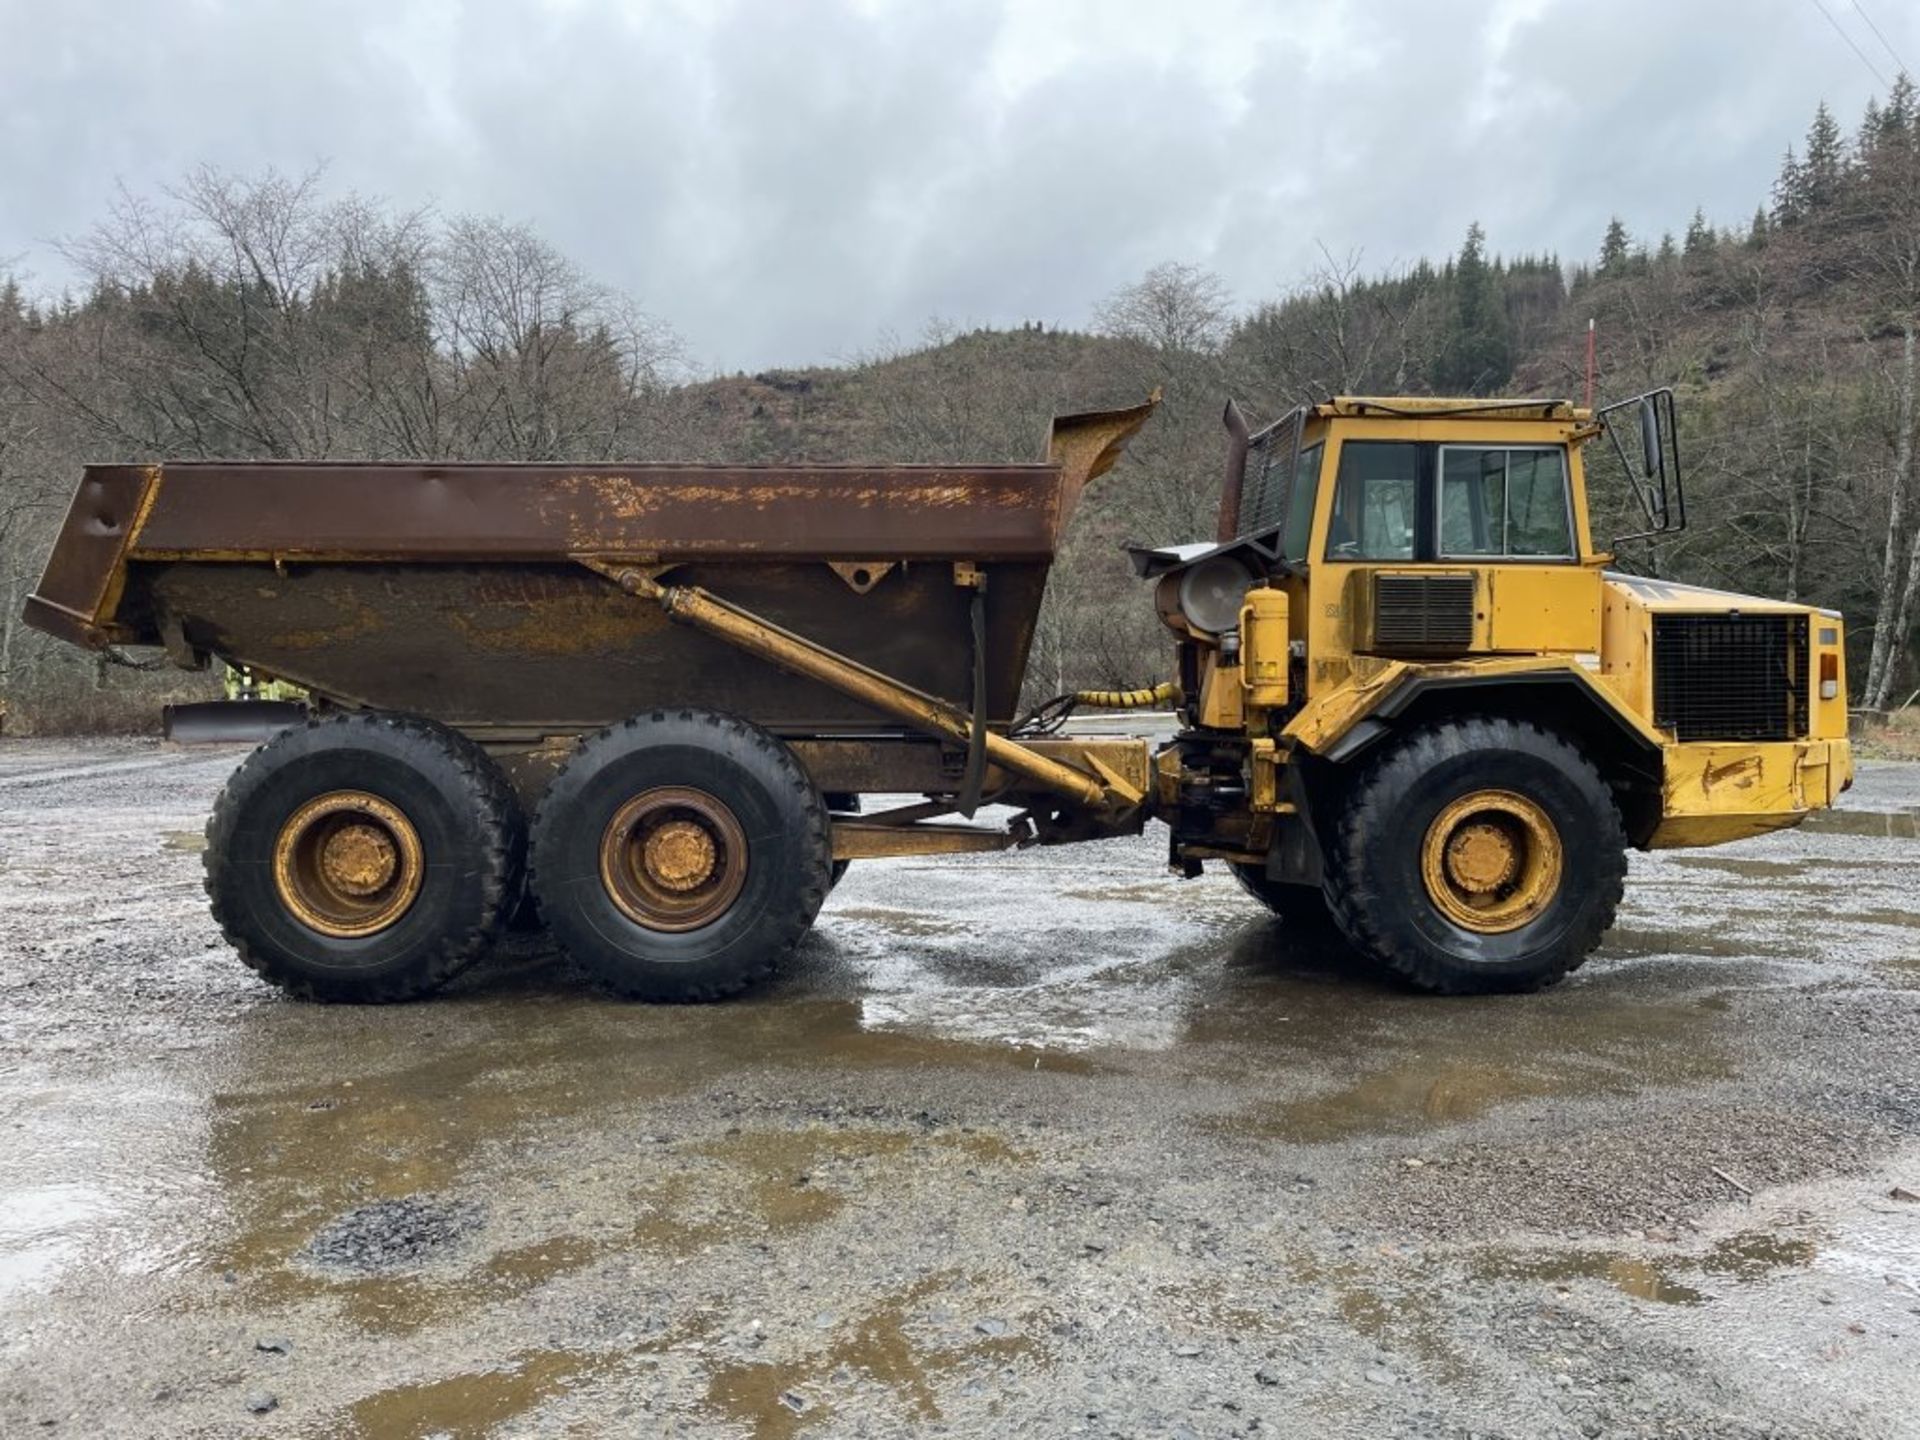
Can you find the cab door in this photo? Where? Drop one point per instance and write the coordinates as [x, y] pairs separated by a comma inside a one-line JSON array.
[[1436, 545]]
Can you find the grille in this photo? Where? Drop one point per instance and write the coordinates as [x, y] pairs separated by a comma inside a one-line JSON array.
[[1730, 677], [1423, 612]]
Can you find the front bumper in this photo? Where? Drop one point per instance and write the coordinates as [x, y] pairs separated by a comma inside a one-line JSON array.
[[1713, 793]]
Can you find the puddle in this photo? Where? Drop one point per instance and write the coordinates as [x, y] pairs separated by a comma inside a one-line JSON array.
[[892, 1345], [1874, 824], [40, 1231], [1747, 1257], [799, 1177], [360, 1191], [1456, 1061], [193, 842], [901, 922], [1746, 868], [1629, 943], [1882, 1248], [1165, 893], [1752, 1254], [1642, 1279], [471, 1406]]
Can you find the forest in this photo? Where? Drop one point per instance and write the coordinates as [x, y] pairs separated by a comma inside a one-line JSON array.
[[262, 316]]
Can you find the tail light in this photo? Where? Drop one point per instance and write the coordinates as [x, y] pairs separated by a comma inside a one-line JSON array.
[[1829, 676]]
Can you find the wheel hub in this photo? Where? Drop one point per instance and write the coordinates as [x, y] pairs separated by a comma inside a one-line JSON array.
[[1492, 861], [348, 864], [673, 858], [358, 859], [680, 855], [1482, 857]]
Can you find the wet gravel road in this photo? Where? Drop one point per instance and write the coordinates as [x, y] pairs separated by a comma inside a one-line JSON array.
[[1036, 1145]]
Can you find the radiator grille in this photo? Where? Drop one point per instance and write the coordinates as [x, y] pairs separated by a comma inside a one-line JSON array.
[[1423, 612], [1730, 677]]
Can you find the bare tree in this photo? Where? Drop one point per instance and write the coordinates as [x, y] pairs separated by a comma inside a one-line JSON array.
[[1173, 307]]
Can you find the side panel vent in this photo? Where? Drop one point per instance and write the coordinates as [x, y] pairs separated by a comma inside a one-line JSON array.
[[1730, 677], [1431, 613]]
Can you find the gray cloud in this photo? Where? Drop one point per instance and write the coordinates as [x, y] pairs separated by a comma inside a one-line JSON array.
[[788, 182]]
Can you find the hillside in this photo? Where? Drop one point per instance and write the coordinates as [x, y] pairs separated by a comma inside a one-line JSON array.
[[1789, 336]]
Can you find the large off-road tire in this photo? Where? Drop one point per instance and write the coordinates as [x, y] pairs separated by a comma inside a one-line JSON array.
[[363, 857], [681, 855], [1301, 908], [1477, 855]]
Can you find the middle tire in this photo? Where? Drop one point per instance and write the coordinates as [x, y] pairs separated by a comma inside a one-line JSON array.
[[680, 856], [1301, 907]]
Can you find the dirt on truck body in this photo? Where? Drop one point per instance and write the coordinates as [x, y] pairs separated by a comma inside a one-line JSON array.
[[1415, 705]]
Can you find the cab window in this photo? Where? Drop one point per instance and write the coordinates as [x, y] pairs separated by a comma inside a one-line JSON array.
[[1306, 489], [1375, 501], [1509, 501]]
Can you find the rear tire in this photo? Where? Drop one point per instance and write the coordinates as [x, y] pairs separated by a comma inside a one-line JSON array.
[[1477, 855], [363, 858], [681, 855], [1302, 908]]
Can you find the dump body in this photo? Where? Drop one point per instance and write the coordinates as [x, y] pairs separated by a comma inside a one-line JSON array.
[[465, 593]]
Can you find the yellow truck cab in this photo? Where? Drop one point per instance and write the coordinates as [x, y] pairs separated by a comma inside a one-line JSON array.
[[1409, 587]]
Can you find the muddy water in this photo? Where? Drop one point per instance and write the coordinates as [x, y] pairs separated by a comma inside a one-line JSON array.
[[290, 1161], [894, 1345]]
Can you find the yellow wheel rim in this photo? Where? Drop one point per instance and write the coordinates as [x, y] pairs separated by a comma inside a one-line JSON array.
[[348, 864], [1491, 861], [673, 858]]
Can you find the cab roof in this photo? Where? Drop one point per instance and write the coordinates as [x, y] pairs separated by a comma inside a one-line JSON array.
[[1436, 406]]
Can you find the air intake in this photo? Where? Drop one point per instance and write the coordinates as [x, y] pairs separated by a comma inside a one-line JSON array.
[[1426, 613], [1731, 677]]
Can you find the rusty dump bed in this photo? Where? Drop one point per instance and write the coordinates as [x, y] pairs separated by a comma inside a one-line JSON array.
[[468, 592]]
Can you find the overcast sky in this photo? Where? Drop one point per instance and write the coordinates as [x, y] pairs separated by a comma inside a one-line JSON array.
[[788, 182]]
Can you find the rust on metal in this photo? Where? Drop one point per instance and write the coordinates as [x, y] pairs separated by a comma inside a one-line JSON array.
[[861, 840], [458, 592], [750, 633], [861, 575], [80, 590], [348, 864], [673, 858]]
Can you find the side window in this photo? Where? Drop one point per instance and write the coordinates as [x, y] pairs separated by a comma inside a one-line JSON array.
[[1306, 489], [1374, 501], [1504, 502]]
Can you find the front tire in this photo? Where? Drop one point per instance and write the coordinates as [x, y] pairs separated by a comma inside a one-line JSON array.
[[681, 855], [363, 858], [1477, 855]]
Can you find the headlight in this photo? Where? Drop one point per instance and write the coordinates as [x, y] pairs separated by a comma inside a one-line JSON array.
[[1206, 596]]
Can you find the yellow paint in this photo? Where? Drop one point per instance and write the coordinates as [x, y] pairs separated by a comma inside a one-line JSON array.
[[1222, 701], [1715, 793], [1491, 861], [1263, 648]]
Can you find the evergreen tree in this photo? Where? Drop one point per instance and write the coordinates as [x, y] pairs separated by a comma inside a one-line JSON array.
[[1826, 160], [1700, 238], [1789, 191], [1757, 231], [1477, 354], [1615, 248]]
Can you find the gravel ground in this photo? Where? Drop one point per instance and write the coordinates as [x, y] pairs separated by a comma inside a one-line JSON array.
[[1034, 1145]]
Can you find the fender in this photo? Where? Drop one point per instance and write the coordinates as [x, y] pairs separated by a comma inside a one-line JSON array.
[[1344, 722]]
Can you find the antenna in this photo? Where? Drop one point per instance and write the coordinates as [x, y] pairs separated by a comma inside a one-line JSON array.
[[1589, 362]]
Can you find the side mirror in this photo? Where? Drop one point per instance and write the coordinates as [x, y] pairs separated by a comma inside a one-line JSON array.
[[1656, 487]]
